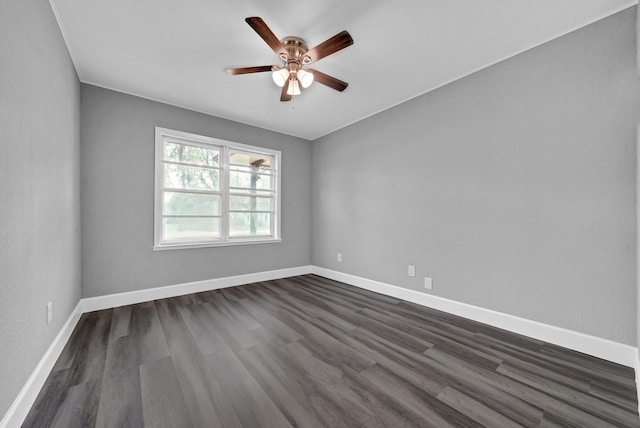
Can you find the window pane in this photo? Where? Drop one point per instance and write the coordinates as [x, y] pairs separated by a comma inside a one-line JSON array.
[[249, 192], [190, 228], [190, 177], [251, 161], [249, 203], [249, 224], [250, 181], [191, 204], [250, 169], [191, 154]]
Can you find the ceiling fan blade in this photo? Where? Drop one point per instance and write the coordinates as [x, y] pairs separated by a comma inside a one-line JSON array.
[[283, 95], [329, 81], [248, 70], [267, 35], [330, 46]]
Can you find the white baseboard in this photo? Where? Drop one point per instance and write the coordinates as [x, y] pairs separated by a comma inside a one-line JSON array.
[[626, 355], [637, 371], [129, 298], [619, 353], [29, 392]]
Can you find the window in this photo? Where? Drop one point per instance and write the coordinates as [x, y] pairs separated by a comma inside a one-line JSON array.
[[211, 192]]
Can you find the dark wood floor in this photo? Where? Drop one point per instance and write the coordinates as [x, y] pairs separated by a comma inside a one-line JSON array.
[[311, 352]]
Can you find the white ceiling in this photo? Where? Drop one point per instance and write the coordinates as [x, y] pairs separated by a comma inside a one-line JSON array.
[[177, 51]]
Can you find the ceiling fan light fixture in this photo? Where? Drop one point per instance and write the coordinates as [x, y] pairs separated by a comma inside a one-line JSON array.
[[280, 76], [294, 88], [294, 54], [305, 78]]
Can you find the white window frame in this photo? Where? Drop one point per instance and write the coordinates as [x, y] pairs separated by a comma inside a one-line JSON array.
[[164, 134]]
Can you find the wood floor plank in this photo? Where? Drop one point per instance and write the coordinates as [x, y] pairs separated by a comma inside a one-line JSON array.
[[523, 391], [338, 401], [238, 313], [576, 383], [136, 337], [578, 399], [191, 371], [474, 409], [394, 334], [202, 328], [438, 414], [621, 397], [236, 337], [293, 304], [286, 391], [120, 321], [79, 335], [549, 421], [147, 332], [432, 376], [385, 410], [326, 345], [268, 319], [85, 352], [78, 386], [306, 351], [479, 357], [251, 404], [79, 407], [163, 404], [120, 399], [615, 371], [49, 401]]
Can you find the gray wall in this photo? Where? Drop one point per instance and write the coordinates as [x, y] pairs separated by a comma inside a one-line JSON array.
[[39, 188], [513, 188], [117, 155], [638, 177]]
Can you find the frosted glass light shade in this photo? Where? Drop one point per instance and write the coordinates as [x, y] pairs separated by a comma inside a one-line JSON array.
[[280, 76], [305, 78], [294, 88]]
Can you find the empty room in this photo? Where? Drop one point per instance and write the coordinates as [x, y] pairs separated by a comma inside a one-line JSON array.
[[319, 214]]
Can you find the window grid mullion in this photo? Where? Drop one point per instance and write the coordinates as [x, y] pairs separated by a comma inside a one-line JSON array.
[[195, 165], [275, 202], [200, 192], [239, 191], [252, 195], [259, 172], [225, 192], [190, 216]]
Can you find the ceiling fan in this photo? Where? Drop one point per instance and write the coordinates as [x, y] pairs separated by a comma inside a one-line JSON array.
[[295, 54]]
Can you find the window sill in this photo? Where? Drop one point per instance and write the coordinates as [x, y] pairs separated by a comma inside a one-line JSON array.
[[182, 246]]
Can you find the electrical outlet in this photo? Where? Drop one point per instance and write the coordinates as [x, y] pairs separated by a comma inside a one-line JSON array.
[[411, 271], [339, 257], [428, 283], [49, 312]]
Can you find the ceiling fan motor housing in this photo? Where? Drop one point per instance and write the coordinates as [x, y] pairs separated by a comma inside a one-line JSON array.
[[296, 49]]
